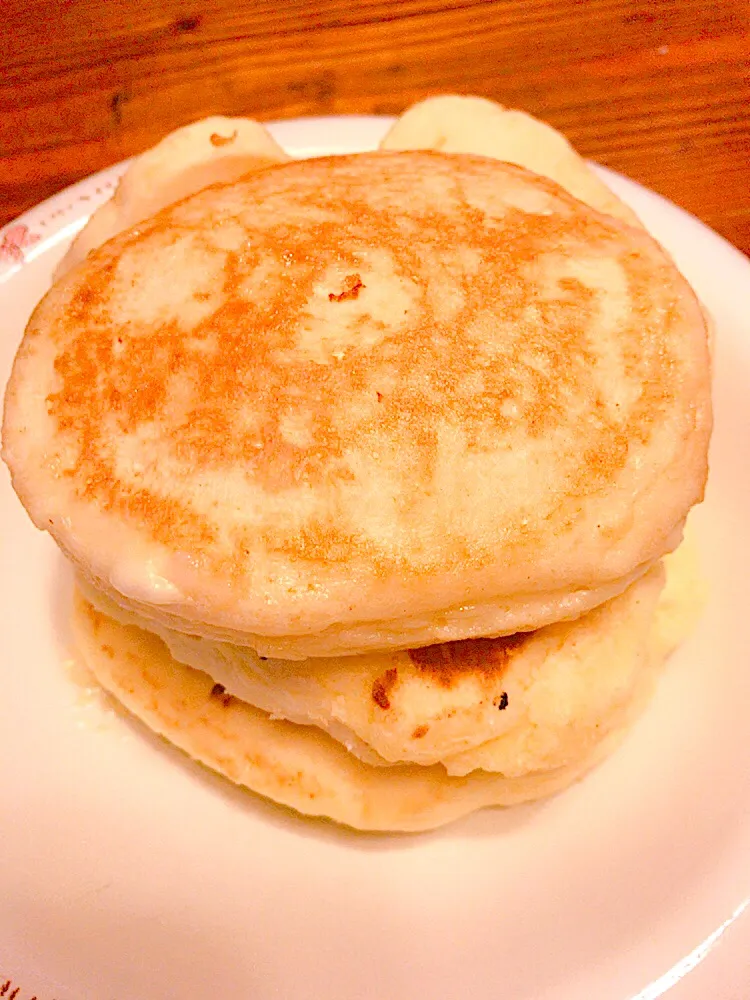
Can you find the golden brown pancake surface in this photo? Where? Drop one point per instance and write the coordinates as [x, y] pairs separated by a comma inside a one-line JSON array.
[[362, 402]]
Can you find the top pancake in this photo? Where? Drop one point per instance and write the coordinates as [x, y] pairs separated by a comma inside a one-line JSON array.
[[362, 402]]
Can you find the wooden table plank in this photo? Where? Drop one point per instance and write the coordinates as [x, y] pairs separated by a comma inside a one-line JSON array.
[[659, 90]]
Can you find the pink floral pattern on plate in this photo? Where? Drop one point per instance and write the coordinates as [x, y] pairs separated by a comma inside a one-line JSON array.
[[42, 223], [17, 238]]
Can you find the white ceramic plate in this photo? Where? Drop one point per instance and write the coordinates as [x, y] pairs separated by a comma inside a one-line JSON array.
[[128, 873]]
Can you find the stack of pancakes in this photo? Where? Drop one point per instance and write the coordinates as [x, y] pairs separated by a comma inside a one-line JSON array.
[[368, 464]]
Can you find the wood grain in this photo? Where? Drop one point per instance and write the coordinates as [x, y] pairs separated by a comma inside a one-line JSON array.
[[659, 90]]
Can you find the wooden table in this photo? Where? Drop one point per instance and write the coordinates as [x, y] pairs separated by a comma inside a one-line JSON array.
[[659, 90]]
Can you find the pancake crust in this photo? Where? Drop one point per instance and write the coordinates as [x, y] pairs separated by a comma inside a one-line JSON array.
[[365, 401]]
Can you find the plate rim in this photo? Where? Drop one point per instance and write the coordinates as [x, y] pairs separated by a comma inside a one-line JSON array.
[[42, 213], [109, 173]]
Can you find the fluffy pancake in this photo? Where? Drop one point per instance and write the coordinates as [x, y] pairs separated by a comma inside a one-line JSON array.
[[213, 150], [365, 402], [220, 150], [453, 123], [514, 704], [303, 767]]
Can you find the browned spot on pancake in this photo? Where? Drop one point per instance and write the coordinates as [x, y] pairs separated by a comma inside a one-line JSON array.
[[169, 520], [420, 731], [448, 662], [222, 140], [108, 650], [329, 214], [218, 691], [382, 687], [352, 285]]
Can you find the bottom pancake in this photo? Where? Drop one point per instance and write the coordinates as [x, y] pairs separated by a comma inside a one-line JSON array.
[[304, 768]]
